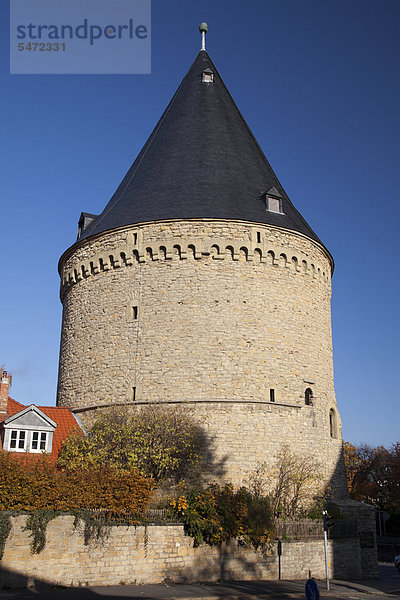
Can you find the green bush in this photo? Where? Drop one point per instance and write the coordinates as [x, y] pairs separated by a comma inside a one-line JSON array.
[[161, 442], [217, 514]]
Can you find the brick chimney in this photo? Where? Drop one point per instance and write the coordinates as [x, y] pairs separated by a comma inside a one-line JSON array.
[[5, 383]]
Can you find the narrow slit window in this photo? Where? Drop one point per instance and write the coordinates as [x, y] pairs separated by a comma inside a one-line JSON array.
[[134, 239], [258, 237], [134, 313], [308, 396], [133, 394], [272, 395], [332, 424]]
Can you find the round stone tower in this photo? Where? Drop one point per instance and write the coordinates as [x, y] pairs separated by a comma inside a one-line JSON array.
[[200, 283]]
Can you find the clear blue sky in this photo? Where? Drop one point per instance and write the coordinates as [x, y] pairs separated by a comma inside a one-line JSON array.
[[317, 81]]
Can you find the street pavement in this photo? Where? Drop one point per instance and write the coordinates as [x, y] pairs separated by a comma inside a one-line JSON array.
[[385, 588]]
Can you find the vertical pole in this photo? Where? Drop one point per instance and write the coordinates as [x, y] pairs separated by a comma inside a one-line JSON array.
[[279, 558], [326, 559], [203, 28], [326, 549]]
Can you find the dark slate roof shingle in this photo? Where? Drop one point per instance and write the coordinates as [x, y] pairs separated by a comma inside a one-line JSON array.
[[200, 161]]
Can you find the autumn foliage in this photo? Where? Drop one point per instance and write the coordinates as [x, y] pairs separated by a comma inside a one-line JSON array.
[[355, 464], [373, 476], [160, 442], [220, 513], [33, 483]]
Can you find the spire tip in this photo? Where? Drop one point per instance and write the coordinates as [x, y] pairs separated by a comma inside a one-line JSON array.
[[203, 28]]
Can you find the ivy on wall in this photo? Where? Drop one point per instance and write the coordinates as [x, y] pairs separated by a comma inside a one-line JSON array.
[[5, 528], [37, 524]]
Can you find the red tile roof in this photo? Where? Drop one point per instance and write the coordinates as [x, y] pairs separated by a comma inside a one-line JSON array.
[[66, 423], [13, 407]]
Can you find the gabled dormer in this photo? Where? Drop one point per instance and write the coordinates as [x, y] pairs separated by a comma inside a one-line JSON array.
[[29, 430], [274, 200], [207, 76], [85, 220]]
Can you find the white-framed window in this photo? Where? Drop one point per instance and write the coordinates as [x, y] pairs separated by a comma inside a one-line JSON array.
[[39, 441], [22, 440], [18, 440]]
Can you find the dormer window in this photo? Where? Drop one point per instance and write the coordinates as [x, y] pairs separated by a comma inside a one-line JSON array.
[[29, 430], [80, 225], [273, 200], [208, 76], [84, 221], [274, 204]]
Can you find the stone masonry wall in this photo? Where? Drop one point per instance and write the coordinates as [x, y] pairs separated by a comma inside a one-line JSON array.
[[215, 314], [158, 553], [366, 520]]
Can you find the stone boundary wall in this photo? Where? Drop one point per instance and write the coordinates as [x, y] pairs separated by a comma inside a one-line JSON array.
[[366, 525], [159, 553]]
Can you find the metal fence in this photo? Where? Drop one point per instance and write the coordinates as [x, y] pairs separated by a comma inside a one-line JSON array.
[[314, 530], [343, 528], [151, 515], [287, 529], [299, 530]]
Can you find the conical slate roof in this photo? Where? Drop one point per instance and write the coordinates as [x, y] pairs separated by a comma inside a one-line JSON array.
[[201, 161]]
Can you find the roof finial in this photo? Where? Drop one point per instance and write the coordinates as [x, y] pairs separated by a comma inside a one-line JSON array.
[[203, 28]]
